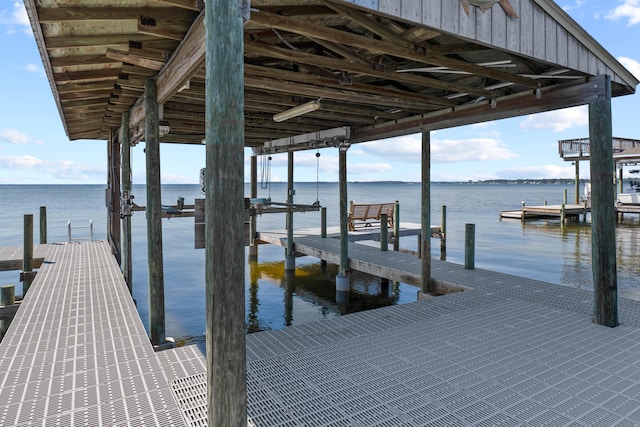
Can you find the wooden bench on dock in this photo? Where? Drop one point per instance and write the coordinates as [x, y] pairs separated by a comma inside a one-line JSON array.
[[368, 215]]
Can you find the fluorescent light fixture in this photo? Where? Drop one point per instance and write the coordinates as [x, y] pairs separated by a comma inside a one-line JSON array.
[[296, 111]]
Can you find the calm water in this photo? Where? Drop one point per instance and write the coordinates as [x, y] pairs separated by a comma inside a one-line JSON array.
[[541, 250]]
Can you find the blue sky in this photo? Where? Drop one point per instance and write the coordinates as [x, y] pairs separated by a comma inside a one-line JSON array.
[[35, 150]]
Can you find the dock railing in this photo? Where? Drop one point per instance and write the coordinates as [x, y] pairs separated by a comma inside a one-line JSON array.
[[90, 227]]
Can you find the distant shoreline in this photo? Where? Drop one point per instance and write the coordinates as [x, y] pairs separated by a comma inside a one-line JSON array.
[[549, 181]]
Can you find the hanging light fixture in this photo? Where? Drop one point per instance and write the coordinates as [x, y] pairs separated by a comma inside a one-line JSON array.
[[296, 111]]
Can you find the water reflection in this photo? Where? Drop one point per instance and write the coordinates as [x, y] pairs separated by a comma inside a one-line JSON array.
[[308, 294]]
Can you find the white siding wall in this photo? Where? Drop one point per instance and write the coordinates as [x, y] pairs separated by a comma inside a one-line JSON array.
[[534, 34]]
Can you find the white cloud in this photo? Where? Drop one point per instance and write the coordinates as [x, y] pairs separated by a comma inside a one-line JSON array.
[[576, 5], [558, 120], [13, 136], [16, 18], [631, 65], [63, 169], [538, 172], [408, 148], [33, 68], [629, 10]]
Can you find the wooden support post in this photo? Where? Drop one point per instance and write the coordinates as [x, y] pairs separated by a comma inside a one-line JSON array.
[[425, 215], [127, 257], [154, 215], [27, 254], [603, 230], [253, 219], [113, 205], [7, 298], [43, 225], [396, 226], [323, 222], [443, 230], [384, 233], [342, 281], [577, 183], [469, 246], [564, 198], [290, 259], [224, 252], [419, 246]]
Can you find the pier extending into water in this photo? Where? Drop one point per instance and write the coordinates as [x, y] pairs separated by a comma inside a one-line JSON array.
[[505, 351]]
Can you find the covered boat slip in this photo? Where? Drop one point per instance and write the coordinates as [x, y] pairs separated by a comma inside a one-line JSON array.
[[493, 354], [307, 74]]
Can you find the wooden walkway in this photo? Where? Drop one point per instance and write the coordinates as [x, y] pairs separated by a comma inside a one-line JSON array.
[[392, 265], [545, 211]]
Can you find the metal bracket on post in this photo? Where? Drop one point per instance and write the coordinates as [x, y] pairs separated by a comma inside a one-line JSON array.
[[244, 9], [126, 205]]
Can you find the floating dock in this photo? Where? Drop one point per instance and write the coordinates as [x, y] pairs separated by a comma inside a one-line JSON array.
[[507, 351]]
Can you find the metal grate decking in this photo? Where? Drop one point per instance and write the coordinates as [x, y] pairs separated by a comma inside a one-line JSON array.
[[77, 353], [509, 352]]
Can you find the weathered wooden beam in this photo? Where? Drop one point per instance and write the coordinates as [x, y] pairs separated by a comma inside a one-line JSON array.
[[161, 29], [69, 42], [290, 259], [553, 97], [224, 252], [338, 64], [603, 219], [131, 57], [394, 99], [315, 31], [67, 14], [154, 216], [194, 5]]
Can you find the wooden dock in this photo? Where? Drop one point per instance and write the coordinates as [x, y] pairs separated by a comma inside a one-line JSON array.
[[392, 265], [546, 211]]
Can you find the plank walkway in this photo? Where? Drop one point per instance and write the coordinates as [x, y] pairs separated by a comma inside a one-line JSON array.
[[545, 211], [508, 351]]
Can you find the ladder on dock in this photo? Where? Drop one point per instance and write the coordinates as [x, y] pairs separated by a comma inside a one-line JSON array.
[[69, 228]]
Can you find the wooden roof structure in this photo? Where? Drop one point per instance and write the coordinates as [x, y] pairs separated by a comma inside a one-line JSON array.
[[380, 68]]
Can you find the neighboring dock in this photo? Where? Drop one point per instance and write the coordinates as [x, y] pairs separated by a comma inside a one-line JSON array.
[[547, 211], [507, 351], [392, 265]]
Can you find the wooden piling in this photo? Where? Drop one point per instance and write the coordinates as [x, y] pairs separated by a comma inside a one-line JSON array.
[[7, 298], [290, 260], [253, 220], [43, 225], [443, 230], [469, 246], [344, 213], [396, 226], [27, 254], [127, 257], [224, 252], [384, 227], [154, 215], [425, 216], [577, 183], [564, 198], [603, 230], [323, 222], [113, 205]]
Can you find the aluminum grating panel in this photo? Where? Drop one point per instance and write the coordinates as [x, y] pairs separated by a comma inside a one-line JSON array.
[[77, 353]]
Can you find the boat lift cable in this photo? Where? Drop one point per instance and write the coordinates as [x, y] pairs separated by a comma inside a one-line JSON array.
[[265, 174], [317, 202]]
